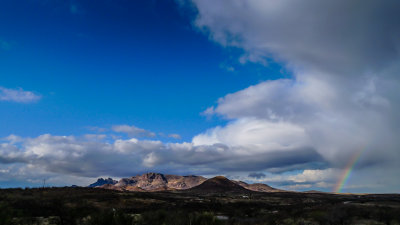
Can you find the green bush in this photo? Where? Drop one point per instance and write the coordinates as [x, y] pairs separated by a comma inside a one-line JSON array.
[[5, 214]]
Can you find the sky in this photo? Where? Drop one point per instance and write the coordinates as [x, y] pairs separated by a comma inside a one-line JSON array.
[[298, 95]]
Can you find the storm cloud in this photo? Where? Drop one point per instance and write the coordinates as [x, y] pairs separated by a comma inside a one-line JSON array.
[[343, 96]]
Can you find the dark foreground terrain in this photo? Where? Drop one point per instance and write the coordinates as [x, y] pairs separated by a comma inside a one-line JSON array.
[[102, 206]]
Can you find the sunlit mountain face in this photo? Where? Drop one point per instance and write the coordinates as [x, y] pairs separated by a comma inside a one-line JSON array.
[[297, 95]]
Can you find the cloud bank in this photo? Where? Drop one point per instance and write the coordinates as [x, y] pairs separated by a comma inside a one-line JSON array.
[[86, 156]]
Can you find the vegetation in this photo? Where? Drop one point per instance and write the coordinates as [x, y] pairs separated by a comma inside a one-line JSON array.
[[86, 206]]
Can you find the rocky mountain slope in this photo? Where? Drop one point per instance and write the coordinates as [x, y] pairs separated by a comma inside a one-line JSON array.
[[102, 181], [256, 186], [218, 184], [160, 182], [155, 182]]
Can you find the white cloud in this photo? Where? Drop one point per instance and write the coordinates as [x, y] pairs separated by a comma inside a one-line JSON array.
[[18, 95], [306, 176], [315, 176], [150, 160], [291, 114], [13, 138], [258, 134], [133, 131], [95, 136]]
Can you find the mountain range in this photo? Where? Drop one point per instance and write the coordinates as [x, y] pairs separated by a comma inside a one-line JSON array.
[[150, 182]]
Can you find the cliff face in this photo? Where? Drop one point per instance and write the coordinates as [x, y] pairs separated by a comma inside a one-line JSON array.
[[148, 182], [157, 182]]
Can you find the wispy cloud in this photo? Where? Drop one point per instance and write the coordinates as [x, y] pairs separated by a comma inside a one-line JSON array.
[[133, 131], [96, 129], [227, 67], [18, 95], [176, 136], [257, 175]]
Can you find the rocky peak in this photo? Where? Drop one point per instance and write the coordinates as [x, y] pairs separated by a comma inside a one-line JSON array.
[[102, 181], [153, 176]]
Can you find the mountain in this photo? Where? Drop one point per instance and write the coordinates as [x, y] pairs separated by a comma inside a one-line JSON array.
[[256, 186], [102, 181], [218, 184], [160, 182], [156, 182]]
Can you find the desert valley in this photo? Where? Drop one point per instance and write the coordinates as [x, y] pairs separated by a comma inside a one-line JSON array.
[[154, 198]]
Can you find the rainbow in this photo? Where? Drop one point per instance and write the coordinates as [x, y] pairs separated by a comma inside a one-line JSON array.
[[347, 171]]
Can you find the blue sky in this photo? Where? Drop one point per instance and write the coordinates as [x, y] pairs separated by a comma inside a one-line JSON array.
[[125, 62], [280, 92]]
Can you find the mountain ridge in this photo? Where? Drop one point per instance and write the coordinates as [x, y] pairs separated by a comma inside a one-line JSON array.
[[152, 182]]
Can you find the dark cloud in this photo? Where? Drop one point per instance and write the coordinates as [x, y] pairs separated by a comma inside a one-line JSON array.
[[339, 36], [257, 175]]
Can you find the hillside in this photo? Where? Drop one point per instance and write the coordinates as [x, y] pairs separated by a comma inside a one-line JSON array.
[[218, 184], [256, 187]]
